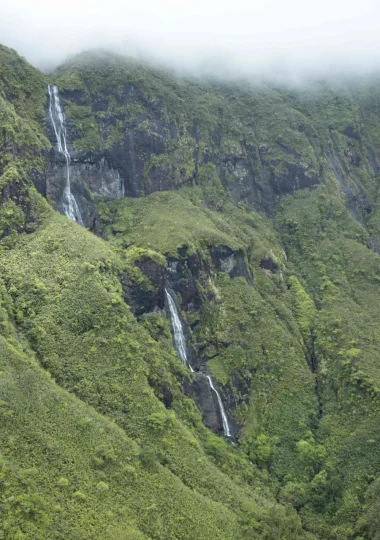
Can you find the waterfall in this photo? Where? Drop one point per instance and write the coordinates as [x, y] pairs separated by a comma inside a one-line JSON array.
[[179, 338], [226, 427], [120, 186], [70, 207], [180, 345]]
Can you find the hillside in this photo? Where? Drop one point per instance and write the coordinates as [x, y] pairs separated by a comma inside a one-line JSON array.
[[250, 208]]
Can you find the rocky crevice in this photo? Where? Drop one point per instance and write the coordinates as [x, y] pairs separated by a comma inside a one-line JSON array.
[[187, 277]]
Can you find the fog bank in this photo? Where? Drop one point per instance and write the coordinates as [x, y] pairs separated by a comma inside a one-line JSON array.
[[236, 38]]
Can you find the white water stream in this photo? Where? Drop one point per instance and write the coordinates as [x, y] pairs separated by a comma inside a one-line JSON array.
[[180, 345], [226, 427], [70, 206], [178, 335]]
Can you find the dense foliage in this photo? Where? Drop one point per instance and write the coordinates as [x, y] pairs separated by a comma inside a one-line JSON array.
[[271, 194]]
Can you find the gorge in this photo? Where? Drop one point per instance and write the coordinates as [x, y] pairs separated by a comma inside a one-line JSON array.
[[180, 344]]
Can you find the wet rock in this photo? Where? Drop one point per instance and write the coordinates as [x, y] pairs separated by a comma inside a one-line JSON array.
[[206, 401], [183, 275], [92, 178], [237, 177]]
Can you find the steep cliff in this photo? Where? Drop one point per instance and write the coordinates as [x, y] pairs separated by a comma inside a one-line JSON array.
[[256, 207]]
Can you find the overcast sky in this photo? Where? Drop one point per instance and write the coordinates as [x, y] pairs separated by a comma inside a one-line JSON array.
[[244, 35]]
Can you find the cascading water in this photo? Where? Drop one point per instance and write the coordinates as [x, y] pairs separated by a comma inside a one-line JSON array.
[[226, 427], [180, 345], [70, 207], [179, 338], [120, 187]]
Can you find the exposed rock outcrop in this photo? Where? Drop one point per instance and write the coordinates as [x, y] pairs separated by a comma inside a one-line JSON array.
[[206, 401], [142, 300]]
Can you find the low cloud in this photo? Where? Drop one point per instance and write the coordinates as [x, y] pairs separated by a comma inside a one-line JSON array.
[[240, 38]]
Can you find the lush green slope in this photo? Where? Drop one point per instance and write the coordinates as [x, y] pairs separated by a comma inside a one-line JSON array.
[[257, 205], [332, 252], [142, 463], [245, 330], [110, 462]]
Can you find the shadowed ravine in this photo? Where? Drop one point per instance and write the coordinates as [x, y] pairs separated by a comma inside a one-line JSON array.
[[180, 345]]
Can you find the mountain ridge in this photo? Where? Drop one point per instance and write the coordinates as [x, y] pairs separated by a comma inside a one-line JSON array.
[[258, 208]]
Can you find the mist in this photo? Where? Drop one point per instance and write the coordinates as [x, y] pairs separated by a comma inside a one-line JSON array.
[[240, 38]]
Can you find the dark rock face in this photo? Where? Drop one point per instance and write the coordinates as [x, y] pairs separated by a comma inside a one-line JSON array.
[[268, 264], [231, 262], [236, 176], [39, 181], [91, 178], [163, 393], [123, 169], [292, 177], [357, 201], [253, 176], [142, 301], [139, 161], [351, 132], [132, 155], [289, 150], [372, 160], [183, 275], [206, 401]]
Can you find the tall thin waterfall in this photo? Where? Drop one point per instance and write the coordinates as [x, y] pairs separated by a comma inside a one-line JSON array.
[[57, 118], [179, 338], [180, 345], [120, 186], [226, 427]]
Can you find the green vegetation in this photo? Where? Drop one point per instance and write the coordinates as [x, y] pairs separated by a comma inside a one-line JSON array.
[[268, 198], [23, 86]]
